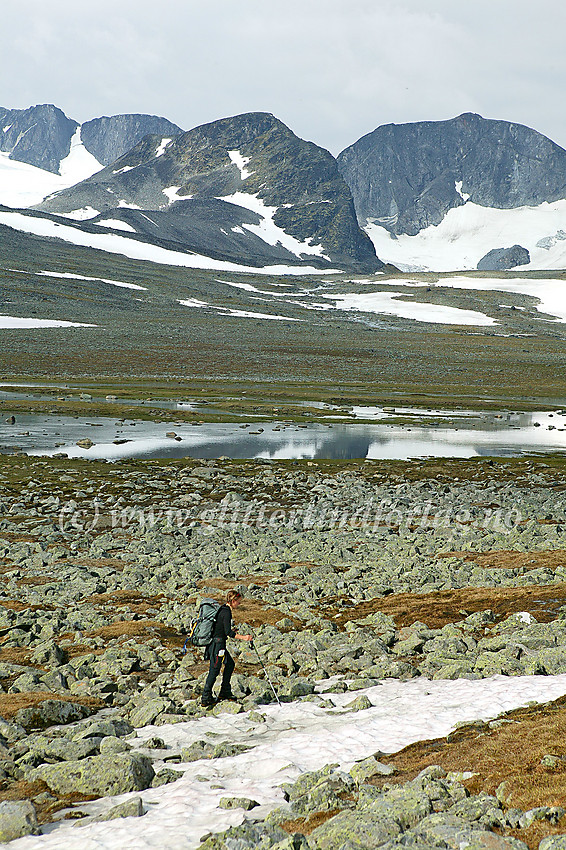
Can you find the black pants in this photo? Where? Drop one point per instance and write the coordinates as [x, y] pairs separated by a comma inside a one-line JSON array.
[[215, 665]]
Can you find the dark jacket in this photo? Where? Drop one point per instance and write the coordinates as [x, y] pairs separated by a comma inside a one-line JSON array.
[[224, 627]]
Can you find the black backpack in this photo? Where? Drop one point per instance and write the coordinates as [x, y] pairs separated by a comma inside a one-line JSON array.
[[202, 627]]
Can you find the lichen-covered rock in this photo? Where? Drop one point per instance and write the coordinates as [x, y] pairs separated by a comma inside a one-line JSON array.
[[17, 818], [237, 803], [148, 711], [100, 775], [132, 808], [51, 712], [447, 830], [354, 831], [403, 804], [362, 770], [331, 792], [165, 776], [361, 703], [247, 836]]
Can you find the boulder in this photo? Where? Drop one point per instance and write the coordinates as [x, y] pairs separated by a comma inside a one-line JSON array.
[[51, 712], [17, 818], [132, 808], [355, 831], [237, 803], [100, 775], [500, 259]]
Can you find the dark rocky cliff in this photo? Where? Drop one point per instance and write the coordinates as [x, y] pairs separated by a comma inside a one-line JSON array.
[[109, 138], [40, 135], [407, 176]]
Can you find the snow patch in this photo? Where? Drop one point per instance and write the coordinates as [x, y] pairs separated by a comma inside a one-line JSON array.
[[268, 230], [172, 196], [295, 737], [127, 206], [116, 224], [95, 279], [81, 215], [463, 195], [23, 185], [389, 303], [241, 162], [16, 322], [551, 294], [79, 163], [227, 311], [161, 146], [124, 169]]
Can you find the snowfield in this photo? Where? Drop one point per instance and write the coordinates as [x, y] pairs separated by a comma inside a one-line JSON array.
[[295, 738], [23, 185], [467, 233], [117, 244]]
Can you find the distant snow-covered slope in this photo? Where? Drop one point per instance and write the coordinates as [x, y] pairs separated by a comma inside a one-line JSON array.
[[43, 152], [469, 231], [23, 185]]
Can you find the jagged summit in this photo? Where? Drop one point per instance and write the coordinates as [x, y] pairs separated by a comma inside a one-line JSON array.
[[408, 176], [302, 205], [41, 135]]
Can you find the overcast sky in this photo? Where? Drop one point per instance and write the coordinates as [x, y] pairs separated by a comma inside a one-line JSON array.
[[332, 70]]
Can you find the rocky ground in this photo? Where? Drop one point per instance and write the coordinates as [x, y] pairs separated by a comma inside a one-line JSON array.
[[361, 571]]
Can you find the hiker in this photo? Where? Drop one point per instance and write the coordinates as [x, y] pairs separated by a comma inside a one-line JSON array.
[[216, 651]]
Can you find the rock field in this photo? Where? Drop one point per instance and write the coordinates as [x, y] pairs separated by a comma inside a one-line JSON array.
[[352, 572]]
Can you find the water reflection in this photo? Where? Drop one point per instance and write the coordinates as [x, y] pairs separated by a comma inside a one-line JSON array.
[[482, 434]]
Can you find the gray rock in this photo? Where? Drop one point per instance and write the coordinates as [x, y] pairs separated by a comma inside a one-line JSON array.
[[354, 831], [237, 803], [500, 259], [553, 842], [51, 712], [100, 775], [132, 808], [17, 818], [406, 175]]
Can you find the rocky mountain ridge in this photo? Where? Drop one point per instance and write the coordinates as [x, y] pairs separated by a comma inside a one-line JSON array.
[[225, 187], [41, 135], [406, 177]]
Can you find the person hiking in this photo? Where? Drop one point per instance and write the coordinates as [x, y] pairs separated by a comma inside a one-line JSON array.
[[216, 651]]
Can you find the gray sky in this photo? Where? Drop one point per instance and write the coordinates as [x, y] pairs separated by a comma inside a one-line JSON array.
[[332, 70]]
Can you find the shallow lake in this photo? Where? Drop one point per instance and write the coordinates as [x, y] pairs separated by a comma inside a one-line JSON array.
[[465, 434]]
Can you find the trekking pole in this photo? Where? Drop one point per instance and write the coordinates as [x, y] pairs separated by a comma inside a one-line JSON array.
[[263, 667]]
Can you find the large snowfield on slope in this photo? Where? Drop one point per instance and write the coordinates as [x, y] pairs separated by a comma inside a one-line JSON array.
[[116, 244], [467, 233], [296, 737], [23, 185]]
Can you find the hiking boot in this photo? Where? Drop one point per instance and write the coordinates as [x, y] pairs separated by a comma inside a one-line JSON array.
[[226, 695], [207, 700]]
